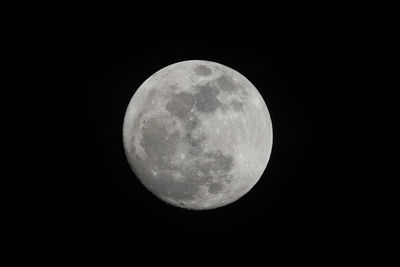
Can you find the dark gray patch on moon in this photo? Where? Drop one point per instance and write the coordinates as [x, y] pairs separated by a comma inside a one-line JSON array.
[[237, 105], [206, 168], [195, 148], [202, 70], [219, 163], [215, 188], [190, 122], [206, 99], [226, 83], [160, 148], [158, 145], [211, 165], [180, 104], [162, 184]]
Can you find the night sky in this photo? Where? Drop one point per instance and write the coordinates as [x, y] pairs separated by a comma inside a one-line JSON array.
[[294, 202]]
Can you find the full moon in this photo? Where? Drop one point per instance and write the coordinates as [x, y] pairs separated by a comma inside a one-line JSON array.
[[197, 134]]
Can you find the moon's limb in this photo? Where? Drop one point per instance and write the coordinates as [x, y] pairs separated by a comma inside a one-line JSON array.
[[197, 134]]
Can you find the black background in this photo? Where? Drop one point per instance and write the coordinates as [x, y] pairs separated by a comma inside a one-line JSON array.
[[72, 70], [298, 69]]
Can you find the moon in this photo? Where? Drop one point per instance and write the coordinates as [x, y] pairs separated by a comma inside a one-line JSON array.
[[197, 134]]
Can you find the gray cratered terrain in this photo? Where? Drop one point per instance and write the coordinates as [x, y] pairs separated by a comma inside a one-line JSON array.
[[197, 134]]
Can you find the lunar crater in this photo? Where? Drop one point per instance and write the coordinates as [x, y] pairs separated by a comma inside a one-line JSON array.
[[202, 70]]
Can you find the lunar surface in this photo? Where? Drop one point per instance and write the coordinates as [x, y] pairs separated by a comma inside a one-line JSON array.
[[197, 134]]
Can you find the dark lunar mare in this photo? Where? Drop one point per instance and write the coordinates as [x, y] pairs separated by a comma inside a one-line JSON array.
[[211, 168], [180, 105], [202, 70], [226, 83], [206, 99], [160, 148], [205, 169]]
